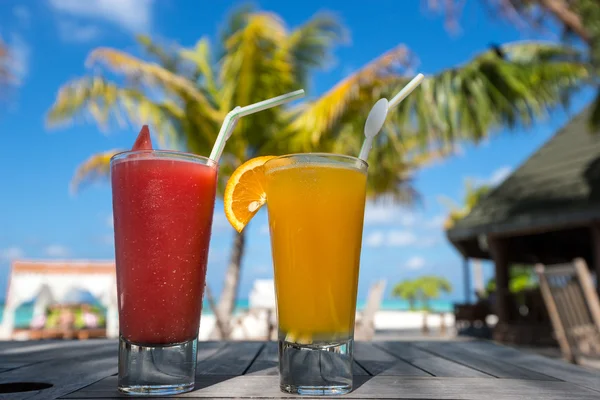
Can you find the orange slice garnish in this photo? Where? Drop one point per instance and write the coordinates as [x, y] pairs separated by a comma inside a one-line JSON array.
[[245, 192]]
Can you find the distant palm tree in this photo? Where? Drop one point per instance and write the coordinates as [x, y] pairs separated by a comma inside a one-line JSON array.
[[185, 93], [408, 291], [431, 287], [423, 289]]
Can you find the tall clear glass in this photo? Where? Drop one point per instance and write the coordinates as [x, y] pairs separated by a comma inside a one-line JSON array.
[[316, 206], [163, 205]]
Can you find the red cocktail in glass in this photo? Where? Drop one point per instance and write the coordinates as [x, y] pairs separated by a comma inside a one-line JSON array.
[[163, 204]]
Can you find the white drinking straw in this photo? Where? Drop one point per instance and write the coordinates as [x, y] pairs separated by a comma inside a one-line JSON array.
[[378, 114], [234, 115]]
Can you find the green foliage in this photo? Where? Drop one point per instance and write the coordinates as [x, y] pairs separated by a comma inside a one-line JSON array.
[[473, 195], [407, 290], [579, 21], [521, 277], [184, 93], [424, 289]]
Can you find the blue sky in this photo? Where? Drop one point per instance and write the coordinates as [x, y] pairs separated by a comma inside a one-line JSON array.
[[40, 219]]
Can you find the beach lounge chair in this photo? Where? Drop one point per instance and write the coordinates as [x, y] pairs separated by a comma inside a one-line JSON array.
[[365, 323], [574, 309]]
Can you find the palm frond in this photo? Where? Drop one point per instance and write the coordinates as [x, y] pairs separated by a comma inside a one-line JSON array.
[[535, 51], [311, 44], [96, 167], [102, 100], [251, 60], [152, 74], [167, 58], [256, 66], [323, 115], [489, 92], [236, 21], [203, 74]]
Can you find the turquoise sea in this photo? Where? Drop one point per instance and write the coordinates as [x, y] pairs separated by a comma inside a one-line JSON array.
[[25, 312]]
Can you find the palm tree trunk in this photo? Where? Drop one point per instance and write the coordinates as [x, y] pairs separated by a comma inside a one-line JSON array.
[[219, 325], [561, 11], [229, 293], [425, 327]]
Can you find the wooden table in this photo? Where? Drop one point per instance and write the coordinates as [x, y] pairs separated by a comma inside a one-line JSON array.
[[398, 370]]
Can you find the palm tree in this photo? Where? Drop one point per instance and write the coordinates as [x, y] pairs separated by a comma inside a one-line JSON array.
[[579, 20], [185, 93], [431, 287], [424, 288], [407, 290]]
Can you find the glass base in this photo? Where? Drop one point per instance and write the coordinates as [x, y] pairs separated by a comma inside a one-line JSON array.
[[156, 370], [317, 369]]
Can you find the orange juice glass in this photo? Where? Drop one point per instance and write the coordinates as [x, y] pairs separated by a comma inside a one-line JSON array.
[[316, 208]]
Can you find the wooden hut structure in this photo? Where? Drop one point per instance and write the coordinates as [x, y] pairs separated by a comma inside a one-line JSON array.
[[547, 211]]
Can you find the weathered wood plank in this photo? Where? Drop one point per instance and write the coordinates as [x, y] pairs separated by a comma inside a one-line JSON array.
[[6, 366], [481, 362], [65, 374], [208, 349], [234, 358], [431, 363], [33, 351], [357, 370], [378, 362], [555, 368], [377, 387], [267, 360], [403, 350]]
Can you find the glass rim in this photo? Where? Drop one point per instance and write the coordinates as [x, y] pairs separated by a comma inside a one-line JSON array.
[[349, 159], [164, 155]]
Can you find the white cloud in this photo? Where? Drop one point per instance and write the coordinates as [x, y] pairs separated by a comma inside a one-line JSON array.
[[392, 238], [110, 222], [428, 242], [108, 240], [220, 221], [74, 32], [261, 269], [18, 58], [375, 239], [400, 238], [22, 14], [436, 222], [11, 253], [499, 175], [393, 214], [415, 262], [56, 250], [264, 229], [132, 15]]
